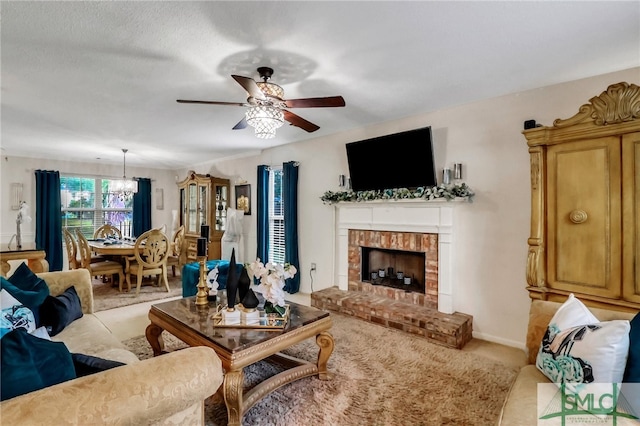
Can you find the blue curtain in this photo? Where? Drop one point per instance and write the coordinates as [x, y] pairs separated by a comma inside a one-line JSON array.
[[290, 201], [142, 207], [263, 214], [48, 217]]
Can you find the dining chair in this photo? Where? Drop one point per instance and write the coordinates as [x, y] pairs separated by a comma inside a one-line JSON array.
[[72, 249], [104, 267], [151, 251], [107, 231], [178, 256]]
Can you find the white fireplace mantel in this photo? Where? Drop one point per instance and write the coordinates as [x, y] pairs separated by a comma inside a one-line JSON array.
[[429, 217]]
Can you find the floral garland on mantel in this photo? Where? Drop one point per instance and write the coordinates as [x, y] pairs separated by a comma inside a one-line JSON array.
[[448, 192]]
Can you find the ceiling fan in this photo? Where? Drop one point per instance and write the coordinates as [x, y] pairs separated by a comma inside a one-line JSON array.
[[266, 106]]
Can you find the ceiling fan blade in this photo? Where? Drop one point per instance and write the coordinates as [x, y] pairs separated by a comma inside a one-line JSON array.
[[250, 86], [298, 121], [241, 124], [331, 101], [183, 101]]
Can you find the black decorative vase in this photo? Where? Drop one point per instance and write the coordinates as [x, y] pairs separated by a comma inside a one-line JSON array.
[[244, 284], [250, 300], [232, 281]]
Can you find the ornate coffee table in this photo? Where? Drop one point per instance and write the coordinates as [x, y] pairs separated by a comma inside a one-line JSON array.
[[240, 347]]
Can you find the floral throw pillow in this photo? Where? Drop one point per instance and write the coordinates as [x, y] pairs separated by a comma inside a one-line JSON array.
[[589, 353], [14, 314], [581, 353]]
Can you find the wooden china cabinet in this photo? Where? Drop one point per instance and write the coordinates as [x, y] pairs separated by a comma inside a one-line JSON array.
[[585, 216], [203, 201]]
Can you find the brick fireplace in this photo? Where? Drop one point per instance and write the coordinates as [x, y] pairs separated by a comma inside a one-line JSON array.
[[413, 235], [412, 253], [411, 225]]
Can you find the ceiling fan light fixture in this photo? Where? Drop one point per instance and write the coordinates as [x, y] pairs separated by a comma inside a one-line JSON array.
[[124, 188], [265, 119], [267, 108], [271, 89]]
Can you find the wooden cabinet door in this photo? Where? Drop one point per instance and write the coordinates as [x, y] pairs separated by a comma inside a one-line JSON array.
[[631, 216], [584, 218]]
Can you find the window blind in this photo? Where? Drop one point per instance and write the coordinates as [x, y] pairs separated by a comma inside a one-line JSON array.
[[276, 216]]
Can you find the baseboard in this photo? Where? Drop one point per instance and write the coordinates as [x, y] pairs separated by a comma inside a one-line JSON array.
[[499, 340]]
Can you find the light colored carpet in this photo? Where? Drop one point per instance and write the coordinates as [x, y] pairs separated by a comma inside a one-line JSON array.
[[106, 296], [380, 377]]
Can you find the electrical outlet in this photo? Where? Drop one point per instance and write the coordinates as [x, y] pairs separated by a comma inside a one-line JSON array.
[[313, 266]]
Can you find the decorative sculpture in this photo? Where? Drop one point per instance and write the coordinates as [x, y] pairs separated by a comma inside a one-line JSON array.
[[232, 282], [231, 315], [23, 216], [212, 283], [244, 283]]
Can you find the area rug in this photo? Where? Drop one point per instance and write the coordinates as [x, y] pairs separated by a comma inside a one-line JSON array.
[[380, 376], [107, 296]]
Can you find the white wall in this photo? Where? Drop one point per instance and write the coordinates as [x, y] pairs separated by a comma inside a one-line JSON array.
[[485, 136]]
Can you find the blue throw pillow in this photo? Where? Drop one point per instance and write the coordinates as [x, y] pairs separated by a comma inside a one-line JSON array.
[[632, 373], [28, 288], [29, 363], [58, 312], [87, 364]]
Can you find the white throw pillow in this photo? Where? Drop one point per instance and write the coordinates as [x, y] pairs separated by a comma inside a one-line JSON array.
[[572, 312], [588, 353], [41, 332], [577, 350], [14, 314]]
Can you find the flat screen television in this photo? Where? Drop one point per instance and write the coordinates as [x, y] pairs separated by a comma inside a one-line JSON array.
[[399, 160]]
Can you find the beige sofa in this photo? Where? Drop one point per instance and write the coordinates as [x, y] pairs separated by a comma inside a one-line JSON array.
[[169, 389], [520, 408]]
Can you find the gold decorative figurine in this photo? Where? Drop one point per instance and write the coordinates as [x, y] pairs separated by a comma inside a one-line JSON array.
[[203, 289]]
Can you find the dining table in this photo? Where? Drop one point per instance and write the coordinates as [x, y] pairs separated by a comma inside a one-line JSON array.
[[112, 247]]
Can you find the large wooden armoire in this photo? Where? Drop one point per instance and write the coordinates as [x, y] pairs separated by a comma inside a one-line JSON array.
[[585, 216], [204, 200]]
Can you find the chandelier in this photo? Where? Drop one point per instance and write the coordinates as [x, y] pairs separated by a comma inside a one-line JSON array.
[[124, 188], [265, 119]]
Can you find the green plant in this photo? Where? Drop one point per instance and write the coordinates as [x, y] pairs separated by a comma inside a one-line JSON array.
[[448, 192]]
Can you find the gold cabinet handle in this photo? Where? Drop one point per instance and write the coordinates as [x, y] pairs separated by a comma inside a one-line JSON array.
[[578, 216]]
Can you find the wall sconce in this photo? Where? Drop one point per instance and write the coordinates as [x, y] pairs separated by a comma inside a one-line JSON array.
[[16, 195], [344, 182], [457, 171], [446, 176]]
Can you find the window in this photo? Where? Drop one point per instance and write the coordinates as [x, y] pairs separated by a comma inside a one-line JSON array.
[[276, 216], [87, 205]]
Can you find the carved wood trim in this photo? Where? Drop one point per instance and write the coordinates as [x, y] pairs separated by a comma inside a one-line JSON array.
[[535, 170], [619, 103]]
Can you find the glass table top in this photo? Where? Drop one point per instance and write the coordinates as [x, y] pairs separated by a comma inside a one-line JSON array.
[[201, 320]]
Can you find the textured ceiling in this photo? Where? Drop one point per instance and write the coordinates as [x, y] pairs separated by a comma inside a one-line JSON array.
[[81, 80]]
